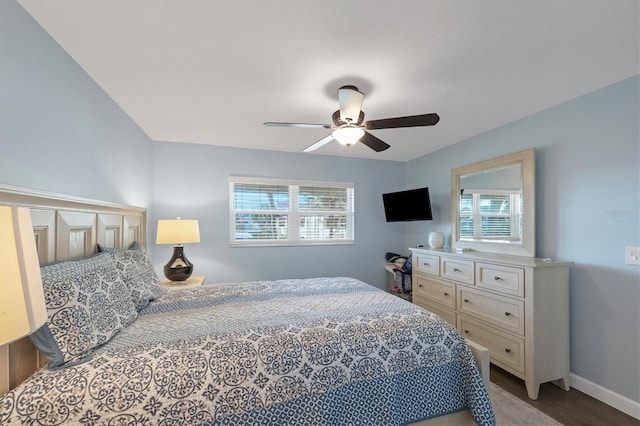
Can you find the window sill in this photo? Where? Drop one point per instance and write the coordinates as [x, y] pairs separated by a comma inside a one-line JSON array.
[[288, 243]]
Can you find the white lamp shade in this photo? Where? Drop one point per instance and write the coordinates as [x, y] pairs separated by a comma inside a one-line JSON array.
[[177, 231], [22, 305]]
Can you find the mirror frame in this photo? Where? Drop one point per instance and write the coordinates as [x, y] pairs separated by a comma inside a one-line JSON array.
[[527, 246]]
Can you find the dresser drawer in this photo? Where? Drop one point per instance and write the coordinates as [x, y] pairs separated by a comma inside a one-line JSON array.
[[444, 313], [506, 350], [457, 269], [502, 311], [426, 263], [503, 279], [435, 290]]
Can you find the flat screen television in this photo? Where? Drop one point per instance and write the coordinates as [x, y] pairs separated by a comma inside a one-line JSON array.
[[407, 206]]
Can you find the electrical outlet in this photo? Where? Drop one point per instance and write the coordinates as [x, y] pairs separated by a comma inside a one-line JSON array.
[[632, 255]]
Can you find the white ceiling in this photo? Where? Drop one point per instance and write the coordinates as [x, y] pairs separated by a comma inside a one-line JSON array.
[[211, 72]]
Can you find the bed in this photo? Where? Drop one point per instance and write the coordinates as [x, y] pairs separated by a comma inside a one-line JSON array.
[[320, 351]]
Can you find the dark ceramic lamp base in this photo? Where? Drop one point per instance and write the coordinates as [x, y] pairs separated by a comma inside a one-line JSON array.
[[178, 268]]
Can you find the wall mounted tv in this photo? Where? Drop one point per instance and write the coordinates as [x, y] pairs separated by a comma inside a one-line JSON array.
[[407, 206]]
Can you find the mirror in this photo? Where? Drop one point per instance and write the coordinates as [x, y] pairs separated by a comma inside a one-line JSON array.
[[492, 205]]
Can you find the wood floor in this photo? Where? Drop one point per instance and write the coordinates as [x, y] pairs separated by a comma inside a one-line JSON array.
[[569, 408]]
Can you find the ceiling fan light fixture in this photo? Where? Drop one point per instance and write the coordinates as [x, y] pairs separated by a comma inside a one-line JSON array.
[[347, 136]]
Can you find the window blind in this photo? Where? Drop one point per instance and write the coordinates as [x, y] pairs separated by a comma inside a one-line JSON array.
[[489, 215], [283, 212]]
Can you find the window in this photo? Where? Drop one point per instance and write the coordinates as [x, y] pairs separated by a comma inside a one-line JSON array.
[[496, 215], [279, 212]]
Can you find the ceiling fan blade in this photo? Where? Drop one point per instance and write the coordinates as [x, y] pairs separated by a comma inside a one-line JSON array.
[[304, 125], [373, 142], [350, 100], [408, 121], [318, 144]]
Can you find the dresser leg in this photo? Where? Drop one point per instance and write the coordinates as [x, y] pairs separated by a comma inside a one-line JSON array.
[[532, 389], [563, 383]]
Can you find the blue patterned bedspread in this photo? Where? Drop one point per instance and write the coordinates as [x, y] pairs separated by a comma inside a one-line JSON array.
[[326, 351]]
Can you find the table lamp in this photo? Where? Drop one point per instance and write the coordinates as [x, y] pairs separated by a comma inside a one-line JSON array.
[[22, 306], [178, 231]]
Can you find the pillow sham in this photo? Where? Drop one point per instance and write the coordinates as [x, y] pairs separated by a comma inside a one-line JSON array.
[[138, 273], [137, 269], [133, 246], [87, 303]]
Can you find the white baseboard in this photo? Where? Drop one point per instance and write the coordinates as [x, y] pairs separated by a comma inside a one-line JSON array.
[[617, 401]]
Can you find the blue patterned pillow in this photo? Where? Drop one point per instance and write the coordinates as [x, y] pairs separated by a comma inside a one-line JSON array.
[[87, 302], [137, 271], [136, 246], [133, 246]]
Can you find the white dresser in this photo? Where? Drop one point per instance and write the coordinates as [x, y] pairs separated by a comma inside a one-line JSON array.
[[517, 307]]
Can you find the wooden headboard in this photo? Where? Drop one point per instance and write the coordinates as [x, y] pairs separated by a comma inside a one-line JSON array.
[[65, 228]]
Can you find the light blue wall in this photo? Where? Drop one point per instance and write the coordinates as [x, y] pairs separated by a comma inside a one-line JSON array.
[[58, 130], [191, 181], [587, 211]]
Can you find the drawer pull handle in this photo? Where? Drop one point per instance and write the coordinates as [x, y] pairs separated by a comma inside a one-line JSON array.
[[507, 350], [446, 294], [419, 285], [507, 314], [425, 264], [467, 301], [497, 278], [456, 270], [466, 331]]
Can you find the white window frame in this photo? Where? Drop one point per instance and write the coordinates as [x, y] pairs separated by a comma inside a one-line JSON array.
[[293, 213]]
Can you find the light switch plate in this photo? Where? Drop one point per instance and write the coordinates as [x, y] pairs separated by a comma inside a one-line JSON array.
[[632, 255]]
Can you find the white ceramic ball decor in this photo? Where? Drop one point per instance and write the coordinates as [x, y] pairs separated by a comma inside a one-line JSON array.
[[436, 239]]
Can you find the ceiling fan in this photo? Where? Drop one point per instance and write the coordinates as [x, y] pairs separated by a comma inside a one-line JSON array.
[[349, 126]]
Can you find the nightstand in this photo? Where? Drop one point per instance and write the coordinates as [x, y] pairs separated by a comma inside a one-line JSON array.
[[190, 282]]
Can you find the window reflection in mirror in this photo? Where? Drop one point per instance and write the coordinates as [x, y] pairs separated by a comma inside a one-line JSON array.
[[491, 205]]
